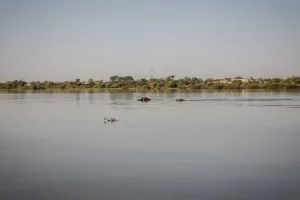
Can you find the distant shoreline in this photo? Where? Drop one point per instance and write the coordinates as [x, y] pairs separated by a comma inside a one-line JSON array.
[[161, 84]]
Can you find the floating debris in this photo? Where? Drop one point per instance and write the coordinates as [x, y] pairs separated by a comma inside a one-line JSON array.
[[180, 99], [144, 99], [111, 120]]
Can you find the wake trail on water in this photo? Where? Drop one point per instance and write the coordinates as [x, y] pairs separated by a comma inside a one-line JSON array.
[[244, 99]]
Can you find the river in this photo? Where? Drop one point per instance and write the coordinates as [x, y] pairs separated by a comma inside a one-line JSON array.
[[214, 146]]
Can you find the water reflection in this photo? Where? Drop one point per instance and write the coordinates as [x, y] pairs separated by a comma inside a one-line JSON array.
[[115, 96], [122, 100], [18, 97], [91, 96], [78, 94]]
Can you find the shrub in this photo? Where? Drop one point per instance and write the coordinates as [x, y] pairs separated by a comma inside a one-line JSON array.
[[217, 86], [231, 86]]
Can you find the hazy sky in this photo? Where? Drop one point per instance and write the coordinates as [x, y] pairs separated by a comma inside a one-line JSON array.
[[62, 39]]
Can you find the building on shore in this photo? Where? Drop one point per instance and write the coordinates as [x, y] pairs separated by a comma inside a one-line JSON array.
[[243, 80], [225, 81]]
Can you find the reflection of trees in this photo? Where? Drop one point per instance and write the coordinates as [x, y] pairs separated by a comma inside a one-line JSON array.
[[15, 97], [170, 93], [20, 96], [77, 95], [91, 96], [121, 99], [186, 94], [120, 96]]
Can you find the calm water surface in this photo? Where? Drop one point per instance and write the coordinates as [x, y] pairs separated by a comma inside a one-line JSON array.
[[217, 146]]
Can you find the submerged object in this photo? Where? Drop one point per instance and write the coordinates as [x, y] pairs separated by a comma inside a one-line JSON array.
[[143, 99], [111, 120], [180, 99]]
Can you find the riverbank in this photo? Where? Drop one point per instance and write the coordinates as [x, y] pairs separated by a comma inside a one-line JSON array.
[[128, 83], [133, 90]]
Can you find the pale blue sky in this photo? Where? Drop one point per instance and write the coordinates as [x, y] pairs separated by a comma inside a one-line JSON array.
[[62, 39]]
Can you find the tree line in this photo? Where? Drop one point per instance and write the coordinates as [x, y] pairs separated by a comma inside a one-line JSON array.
[[128, 82]]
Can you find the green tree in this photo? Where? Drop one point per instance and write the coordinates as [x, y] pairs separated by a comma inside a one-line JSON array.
[[128, 78], [237, 82], [90, 83], [113, 78], [172, 84], [169, 78]]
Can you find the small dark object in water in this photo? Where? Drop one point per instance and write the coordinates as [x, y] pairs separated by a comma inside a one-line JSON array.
[[143, 99], [112, 120], [180, 100]]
